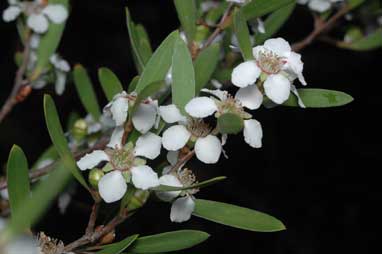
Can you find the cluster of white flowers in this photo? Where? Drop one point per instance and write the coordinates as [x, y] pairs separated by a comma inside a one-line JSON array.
[[319, 5], [38, 14]]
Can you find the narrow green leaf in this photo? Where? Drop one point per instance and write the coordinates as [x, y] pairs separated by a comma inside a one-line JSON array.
[[274, 22], [110, 83], [258, 8], [187, 15], [145, 49], [242, 35], [49, 154], [86, 92], [319, 98], [58, 139], [197, 185], [133, 84], [236, 216], [159, 63], [169, 241], [369, 42], [205, 65], [183, 76], [49, 41], [117, 248], [35, 205], [354, 3], [230, 123], [17, 178]]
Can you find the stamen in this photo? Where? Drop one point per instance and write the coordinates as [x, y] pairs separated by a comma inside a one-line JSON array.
[[198, 127], [269, 62]]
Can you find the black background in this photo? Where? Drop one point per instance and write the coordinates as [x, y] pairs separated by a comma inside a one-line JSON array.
[[318, 170]]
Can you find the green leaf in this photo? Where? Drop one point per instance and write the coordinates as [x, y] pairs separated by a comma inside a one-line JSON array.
[[242, 35], [274, 22], [17, 178], [205, 65], [35, 205], [187, 15], [236, 216], [86, 92], [49, 42], [133, 84], [145, 49], [159, 63], [230, 123], [319, 98], [58, 139], [49, 154], [110, 83], [197, 185], [369, 42], [183, 76], [145, 93], [258, 8], [117, 248], [354, 3], [169, 241]]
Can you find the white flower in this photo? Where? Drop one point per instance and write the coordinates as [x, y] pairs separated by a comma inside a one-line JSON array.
[[319, 5], [61, 68], [11, 13], [112, 186], [183, 203], [246, 97], [207, 146], [143, 119], [238, 1], [277, 66]]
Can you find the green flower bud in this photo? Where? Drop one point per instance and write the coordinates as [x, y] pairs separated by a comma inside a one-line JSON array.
[[80, 129], [94, 176]]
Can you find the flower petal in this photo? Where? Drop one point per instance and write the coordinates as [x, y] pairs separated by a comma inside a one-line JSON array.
[[148, 145], [277, 88], [57, 13], [221, 94], [60, 83], [175, 137], [92, 159], [119, 108], [116, 138], [112, 186], [253, 133], [250, 97], [171, 114], [172, 157], [145, 116], [169, 180], [38, 23], [319, 5], [295, 92], [295, 67], [245, 74], [201, 107], [11, 13], [182, 209], [278, 45], [144, 177], [208, 149]]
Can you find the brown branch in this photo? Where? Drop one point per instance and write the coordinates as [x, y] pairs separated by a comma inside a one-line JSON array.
[[184, 159], [92, 219], [12, 99], [320, 28]]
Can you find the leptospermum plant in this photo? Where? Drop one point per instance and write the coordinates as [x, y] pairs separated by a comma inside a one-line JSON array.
[[201, 86]]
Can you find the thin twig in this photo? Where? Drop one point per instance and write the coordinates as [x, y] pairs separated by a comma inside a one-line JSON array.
[[184, 159], [320, 28], [18, 83], [92, 219]]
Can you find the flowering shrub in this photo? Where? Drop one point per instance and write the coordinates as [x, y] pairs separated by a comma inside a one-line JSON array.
[[179, 106]]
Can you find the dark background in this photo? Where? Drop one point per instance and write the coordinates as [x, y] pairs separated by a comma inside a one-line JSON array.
[[318, 170]]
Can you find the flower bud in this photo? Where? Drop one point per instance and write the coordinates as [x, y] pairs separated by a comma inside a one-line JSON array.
[[94, 176], [80, 129]]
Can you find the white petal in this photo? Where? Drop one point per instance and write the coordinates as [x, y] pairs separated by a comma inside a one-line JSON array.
[[145, 116], [171, 114], [201, 107], [221, 94], [4, 195], [92, 159], [277, 88], [166, 170], [59, 63], [295, 66], [182, 209], [295, 92], [23, 244], [175, 137], [116, 138], [172, 157], [34, 41], [11, 13], [245, 74], [57, 13], [250, 97], [144, 177], [112, 186], [169, 180], [253, 133], [119, 108], [260, 26], [319, 5], [208, 149], [278, 45], [148, 145], [38, 23], [60, 83]]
